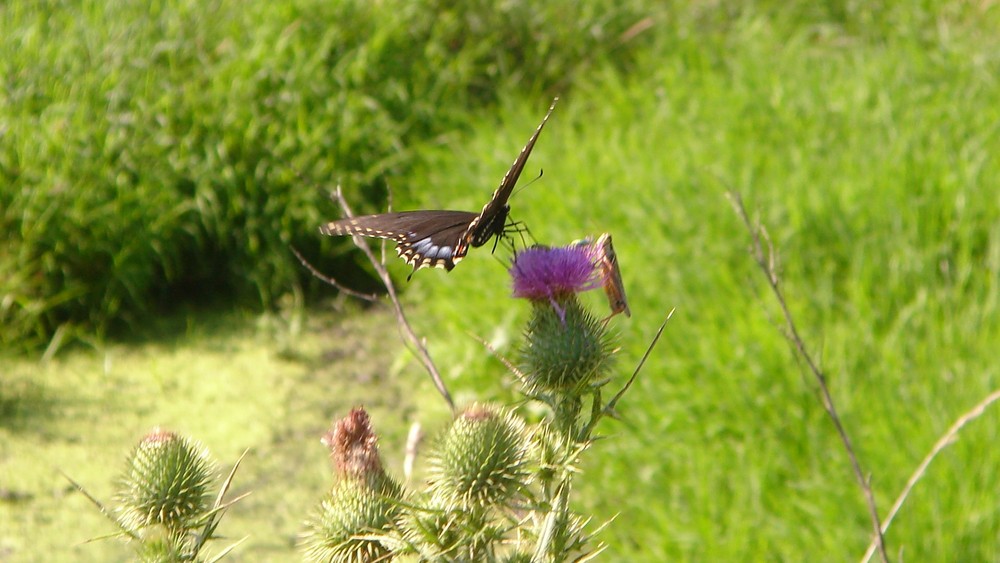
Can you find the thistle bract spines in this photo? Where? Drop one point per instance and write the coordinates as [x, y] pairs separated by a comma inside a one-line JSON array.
[[166, 482], [433, 531], [565, 347], [517, 557], [346, 524], [481, 459], [160, 546]]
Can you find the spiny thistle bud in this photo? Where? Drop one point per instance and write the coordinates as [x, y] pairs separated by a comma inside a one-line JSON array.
[[480, 461], [362, 505], [563, 352], [345, 525], [166, 483]]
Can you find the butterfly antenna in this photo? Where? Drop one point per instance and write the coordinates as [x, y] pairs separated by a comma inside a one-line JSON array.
[[516, 191]]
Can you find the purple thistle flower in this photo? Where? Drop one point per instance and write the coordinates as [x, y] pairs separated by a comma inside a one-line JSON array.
[[547, 274]]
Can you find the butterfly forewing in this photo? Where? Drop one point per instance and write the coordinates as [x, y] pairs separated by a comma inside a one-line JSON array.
[[493, 217], [423, 238]]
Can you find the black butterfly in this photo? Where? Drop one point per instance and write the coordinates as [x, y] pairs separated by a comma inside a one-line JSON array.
[[440, 238]]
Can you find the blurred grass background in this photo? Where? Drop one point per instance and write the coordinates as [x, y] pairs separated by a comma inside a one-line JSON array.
[[157, 160]]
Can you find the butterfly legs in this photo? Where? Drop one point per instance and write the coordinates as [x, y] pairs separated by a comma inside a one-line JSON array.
[[514, 227]]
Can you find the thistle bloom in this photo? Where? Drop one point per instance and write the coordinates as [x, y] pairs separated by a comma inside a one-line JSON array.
[[565, 348], [553, 274]]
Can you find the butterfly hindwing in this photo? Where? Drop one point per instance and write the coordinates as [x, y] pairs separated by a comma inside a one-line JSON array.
[[423, 238]]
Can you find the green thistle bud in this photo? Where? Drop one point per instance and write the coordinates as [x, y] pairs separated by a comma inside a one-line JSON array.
[[346, 525], [481, 459], [565, 348], [166, 483]]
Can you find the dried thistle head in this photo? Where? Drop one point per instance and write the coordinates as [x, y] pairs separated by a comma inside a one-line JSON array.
[[354, 447], [352, 521]]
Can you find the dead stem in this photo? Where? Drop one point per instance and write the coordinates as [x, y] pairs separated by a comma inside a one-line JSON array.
[[767, 262], [418, 348], [944, 441]]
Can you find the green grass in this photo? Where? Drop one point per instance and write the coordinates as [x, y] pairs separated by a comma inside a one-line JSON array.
[[873, 163], [152, 150], [865, 138]]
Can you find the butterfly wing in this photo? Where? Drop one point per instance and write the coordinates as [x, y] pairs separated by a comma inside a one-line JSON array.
[[614, 288], [423, 238], [491, 220], [440, 239]]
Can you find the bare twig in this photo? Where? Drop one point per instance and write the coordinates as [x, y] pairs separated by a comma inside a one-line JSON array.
[[370, 297], [421, 350], [944, 441], [766, 261], [635, 30], [413, 441]]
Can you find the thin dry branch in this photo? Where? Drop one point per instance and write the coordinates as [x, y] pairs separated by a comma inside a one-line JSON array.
[[767, 262], [944, 441], [420, 350], [370, 297]]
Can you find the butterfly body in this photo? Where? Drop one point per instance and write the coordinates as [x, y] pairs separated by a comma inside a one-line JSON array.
[[441, 238]]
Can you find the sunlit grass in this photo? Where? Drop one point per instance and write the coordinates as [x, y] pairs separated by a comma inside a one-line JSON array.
[[222, 381], [869, 152], [873, 168]]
